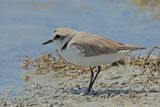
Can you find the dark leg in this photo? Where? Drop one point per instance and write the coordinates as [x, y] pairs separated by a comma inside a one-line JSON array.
[[92, 75], [98, 71]]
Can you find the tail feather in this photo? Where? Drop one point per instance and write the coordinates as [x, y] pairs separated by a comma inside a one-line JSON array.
[[130, 47]]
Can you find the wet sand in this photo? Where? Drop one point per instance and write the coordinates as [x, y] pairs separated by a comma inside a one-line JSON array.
[[123, 86]]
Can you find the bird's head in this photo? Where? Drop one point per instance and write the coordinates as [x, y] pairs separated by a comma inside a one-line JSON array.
[[60, 37]]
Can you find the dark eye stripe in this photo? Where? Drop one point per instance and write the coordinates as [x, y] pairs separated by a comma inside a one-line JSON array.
[[57, 37]]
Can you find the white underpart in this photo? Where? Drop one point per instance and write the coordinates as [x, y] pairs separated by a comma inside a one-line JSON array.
[[74, 56]]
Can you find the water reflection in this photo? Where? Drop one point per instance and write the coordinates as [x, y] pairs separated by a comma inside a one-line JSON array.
[[43, 4], [151, 6]]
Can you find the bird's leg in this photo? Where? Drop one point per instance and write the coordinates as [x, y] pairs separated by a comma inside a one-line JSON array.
[[98, 71], [92, 80], [92, 75]]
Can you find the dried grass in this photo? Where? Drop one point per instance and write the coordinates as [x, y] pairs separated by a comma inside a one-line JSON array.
[[47, 63]]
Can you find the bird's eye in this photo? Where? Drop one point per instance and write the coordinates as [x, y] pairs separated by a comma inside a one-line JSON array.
[[57, 37]]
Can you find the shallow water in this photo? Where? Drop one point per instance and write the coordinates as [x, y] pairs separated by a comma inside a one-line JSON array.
[[26, 24]]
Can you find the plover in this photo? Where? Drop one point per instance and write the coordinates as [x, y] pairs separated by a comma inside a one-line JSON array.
[[88, 49]]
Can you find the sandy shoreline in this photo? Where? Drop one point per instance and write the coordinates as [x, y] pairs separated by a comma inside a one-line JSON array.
[[117, 86]]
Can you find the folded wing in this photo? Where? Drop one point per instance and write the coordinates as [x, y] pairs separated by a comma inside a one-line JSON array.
[[89, 44]]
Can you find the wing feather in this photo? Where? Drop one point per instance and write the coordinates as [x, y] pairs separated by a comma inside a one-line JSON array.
[[92, 45], [89, 44]]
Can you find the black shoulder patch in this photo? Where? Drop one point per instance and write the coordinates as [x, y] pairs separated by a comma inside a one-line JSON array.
[[65, 45]]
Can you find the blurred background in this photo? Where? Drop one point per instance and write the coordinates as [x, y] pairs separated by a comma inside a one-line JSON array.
[[26, 24]]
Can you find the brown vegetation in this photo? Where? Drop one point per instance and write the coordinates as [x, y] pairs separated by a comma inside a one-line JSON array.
[[47, 63]]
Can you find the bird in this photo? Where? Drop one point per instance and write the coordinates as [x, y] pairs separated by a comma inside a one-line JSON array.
[[88, 49]]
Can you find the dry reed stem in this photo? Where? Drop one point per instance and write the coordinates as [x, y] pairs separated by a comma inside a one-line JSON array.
[[47, 63]]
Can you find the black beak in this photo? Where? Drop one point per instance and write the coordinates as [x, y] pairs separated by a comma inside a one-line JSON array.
[[49, 41]]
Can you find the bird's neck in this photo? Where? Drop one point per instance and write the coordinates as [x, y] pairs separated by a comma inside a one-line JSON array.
[[66, 44]]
